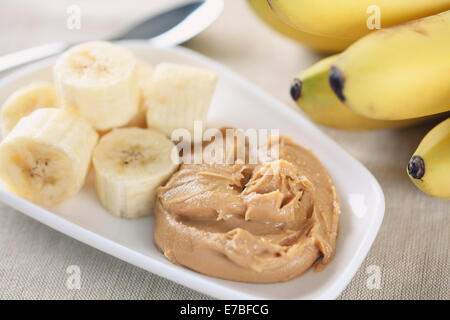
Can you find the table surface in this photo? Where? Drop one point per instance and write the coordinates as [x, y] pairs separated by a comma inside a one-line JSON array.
[[411, 251]]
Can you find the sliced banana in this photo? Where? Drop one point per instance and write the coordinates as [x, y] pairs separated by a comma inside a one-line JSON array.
[[46, 157], [145, 72], [98, 79], [129, 164], [180, 95], [24, 101], [145, 79]]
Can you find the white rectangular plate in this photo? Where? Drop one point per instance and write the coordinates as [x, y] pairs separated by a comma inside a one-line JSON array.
[[240, 104]]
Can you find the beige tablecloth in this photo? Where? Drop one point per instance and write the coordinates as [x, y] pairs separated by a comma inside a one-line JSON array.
[[411, 250]]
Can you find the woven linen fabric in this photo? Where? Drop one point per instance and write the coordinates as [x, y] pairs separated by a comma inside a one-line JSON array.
[[411, 251]]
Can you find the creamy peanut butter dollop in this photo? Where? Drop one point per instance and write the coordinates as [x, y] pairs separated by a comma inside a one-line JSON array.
[[265, 222]]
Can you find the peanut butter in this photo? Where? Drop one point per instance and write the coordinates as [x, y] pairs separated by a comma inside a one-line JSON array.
[[264, 222]]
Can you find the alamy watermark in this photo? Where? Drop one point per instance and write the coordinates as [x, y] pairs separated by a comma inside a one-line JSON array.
[[374, 279], [374, 20], [73, 21], [73, 281], [225, 146]]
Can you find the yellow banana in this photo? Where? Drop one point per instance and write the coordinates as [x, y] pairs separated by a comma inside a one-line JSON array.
[[311, 92], [397, 73], [320, 43], [429, 167], [352, 19]]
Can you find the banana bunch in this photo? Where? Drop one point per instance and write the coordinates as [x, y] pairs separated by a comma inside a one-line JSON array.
[[51, 130], [391, 78], [318, 42], [312, 93], [397, 73], [331, 26]]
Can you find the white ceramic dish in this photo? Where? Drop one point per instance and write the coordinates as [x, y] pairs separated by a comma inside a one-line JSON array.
[[240, 104]]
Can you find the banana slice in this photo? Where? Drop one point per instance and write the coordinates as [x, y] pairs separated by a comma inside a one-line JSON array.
[[46, 157], [99, 80], [180, 95], [24, 101], [129, 164], [145, 79], [145, 72]]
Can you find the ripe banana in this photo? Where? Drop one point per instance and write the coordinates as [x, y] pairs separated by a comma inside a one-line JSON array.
[[145, 79], [311, 92], [320, 43], [350, 19], [181, 95], [429, 167], [397, 73], [24, 101], [46, 157], [129, 164], [98, 80]]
